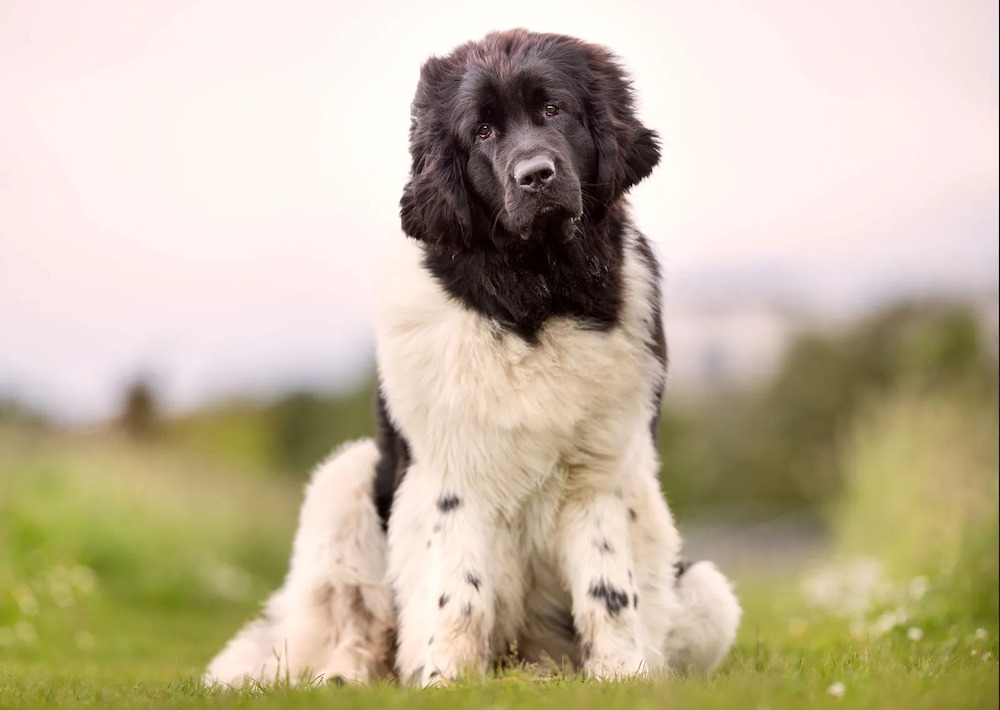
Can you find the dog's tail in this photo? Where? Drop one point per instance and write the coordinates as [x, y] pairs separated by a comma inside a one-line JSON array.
[[333, 616], [707, 617]]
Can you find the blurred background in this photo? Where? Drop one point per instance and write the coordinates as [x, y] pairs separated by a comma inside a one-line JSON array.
[[194, 198]]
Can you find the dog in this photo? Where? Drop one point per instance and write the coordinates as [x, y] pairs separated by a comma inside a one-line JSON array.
[[510, 506]]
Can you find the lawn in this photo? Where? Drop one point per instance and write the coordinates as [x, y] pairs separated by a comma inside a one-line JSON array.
[[125, 567]]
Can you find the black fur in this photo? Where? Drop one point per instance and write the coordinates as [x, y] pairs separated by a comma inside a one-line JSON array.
[[657, 339], [680, 567], [614, 599], [459, 201], [448, 503], [473, 579], [394, 459]]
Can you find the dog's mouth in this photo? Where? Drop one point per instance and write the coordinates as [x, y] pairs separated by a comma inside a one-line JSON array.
[[553, 223], [550, 221]]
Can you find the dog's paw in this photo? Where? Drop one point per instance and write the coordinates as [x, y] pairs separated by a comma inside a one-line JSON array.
[[610, 668], [427, 676], [438, 670]]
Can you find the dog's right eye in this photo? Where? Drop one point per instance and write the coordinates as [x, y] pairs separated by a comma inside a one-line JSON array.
[[485, 131]]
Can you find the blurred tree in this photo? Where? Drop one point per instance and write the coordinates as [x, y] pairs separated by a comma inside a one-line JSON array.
[[781, 444], [139, 417], [306, 426]]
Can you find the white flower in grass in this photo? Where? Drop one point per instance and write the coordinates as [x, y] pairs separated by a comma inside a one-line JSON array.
[[888, 621], [25, 632], [914, 633], [846, 589], [837, 690], [918, 587], [83, 578], [982, 634], [27, 603], [61, 593], [84, 641]]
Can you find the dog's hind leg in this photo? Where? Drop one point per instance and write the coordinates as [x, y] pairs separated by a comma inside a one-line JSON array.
[[333, 617]]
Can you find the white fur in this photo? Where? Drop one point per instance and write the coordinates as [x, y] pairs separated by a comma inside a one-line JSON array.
[[531, 510], [706, 622], [547, 446]]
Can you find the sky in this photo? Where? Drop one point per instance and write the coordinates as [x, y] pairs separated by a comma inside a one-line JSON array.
[[201, 192]]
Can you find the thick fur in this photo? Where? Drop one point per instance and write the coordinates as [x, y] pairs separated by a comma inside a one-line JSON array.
[[511, 505]]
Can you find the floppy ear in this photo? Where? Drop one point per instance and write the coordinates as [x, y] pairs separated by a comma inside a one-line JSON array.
[[627, 151], [435, 202]]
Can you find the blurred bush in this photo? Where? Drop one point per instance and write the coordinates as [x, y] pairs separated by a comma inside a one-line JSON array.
[[288, 435], [782, 444], [920, 495], [306, 426]]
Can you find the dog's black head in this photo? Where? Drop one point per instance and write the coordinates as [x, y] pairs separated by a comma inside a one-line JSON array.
[[521, 136]]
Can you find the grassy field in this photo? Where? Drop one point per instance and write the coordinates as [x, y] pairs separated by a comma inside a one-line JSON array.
[[124, 568]]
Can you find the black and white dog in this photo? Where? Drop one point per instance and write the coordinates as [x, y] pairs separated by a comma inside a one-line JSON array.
[[511, 503]]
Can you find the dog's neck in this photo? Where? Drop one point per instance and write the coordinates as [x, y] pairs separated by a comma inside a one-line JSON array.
[[520, 284]]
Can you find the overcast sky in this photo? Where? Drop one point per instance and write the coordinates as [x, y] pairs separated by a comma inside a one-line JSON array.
[[202, 190]]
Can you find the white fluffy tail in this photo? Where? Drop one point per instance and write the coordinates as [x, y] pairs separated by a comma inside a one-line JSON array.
[[708, 615]]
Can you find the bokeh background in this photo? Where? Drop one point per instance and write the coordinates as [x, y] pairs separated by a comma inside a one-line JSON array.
[[193, 201]]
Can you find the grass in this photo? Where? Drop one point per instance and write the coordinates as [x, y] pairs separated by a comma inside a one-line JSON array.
[[123, 569]]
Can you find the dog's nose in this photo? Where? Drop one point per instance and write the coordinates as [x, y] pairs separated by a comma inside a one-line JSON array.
[[534, 173]]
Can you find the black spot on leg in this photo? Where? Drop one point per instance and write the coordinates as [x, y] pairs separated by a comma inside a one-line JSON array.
[[442, 600], [448, 503], [635, 601], [467, 609], [473, 579], [586, 651], [630, 576], [436, 528], [680, 567], [631, 514], [614, 598], [434, 674], [604, 546]]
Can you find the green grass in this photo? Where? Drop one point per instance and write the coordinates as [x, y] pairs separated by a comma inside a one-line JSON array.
[[123, 569]]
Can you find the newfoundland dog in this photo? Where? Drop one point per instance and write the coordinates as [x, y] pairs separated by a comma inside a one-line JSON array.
[[510, 507]]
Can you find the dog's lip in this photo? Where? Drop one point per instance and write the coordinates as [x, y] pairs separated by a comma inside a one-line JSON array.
[[566, 220]]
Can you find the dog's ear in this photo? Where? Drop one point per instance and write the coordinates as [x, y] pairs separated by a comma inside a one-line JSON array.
[[435, 203], [627, 151]]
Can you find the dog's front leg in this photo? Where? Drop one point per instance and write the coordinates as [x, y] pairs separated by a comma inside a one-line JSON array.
[[597, 564], [446, 628]]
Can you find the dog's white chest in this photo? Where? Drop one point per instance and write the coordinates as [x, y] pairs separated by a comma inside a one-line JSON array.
[[449, 367]]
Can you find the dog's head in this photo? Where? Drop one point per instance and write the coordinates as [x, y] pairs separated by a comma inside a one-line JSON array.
[[521, 135]]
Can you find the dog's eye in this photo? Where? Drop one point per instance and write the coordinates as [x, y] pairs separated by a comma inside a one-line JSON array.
[[551, 110], [485, 131]]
